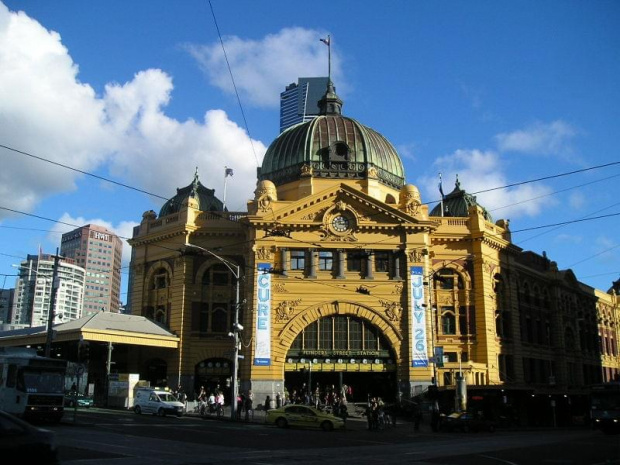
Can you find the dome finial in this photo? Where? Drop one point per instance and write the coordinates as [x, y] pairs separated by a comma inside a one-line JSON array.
[[194, 191], [330, 104]]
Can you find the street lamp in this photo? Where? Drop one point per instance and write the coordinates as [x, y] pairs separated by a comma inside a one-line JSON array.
[[235, 270], [460, 391]]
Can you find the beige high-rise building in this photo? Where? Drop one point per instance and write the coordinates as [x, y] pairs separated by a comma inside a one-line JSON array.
[[346, 279], [99, 251]]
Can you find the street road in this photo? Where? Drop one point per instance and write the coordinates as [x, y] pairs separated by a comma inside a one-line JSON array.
[[114, 437]]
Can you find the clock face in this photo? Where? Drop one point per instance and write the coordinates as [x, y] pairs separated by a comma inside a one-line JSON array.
[[340, 223]]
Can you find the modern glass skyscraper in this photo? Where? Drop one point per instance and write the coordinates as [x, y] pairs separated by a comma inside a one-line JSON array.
[[300, 102], [99, 252]]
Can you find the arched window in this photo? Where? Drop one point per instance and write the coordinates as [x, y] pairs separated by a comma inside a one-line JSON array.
[[160, 279], [448, 320], [212, 311], [339, 333], [447, 278], [160, 315]]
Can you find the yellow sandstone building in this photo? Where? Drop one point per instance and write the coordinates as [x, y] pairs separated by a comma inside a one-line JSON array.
[[345, 278]]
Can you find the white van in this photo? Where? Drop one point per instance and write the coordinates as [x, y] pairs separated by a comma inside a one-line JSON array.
[[157, 402]]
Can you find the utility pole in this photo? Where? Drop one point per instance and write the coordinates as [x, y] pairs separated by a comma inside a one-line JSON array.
[[50, 316]]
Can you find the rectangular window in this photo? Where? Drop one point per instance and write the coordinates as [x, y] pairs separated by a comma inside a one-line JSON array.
[[354, 261], [370, 339], [326, 260], [340, 334], [382, 261], [355, 335], [326, 333], [463, 329], [310, 337], [298, 260]]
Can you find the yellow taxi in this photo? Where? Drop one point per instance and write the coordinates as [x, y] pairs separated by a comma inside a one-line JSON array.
[[303, 416]]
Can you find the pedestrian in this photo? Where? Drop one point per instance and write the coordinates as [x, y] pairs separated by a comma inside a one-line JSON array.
[[267, 403], [240, 404], [249, 405], [278, 400]]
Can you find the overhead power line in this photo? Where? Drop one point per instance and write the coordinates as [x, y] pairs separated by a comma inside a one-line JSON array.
[[232, 78]]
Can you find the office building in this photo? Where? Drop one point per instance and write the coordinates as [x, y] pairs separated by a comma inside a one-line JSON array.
[[300, 101], [33, 291], [99, 252]]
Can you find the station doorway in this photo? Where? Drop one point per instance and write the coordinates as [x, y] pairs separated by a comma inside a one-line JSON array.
[[342, 351]]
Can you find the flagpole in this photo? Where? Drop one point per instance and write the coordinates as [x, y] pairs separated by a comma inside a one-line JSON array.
[[225, 181], [441, 192], [328, 42], [329, 58]]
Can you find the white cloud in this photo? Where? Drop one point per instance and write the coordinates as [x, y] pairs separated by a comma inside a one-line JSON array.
[[42, 105], [262, 68], [540, 138], [48, 112], [481, 170]]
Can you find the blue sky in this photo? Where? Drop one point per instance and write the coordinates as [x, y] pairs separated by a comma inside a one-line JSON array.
[[498, 92]]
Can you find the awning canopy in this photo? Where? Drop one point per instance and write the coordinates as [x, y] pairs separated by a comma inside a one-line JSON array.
[[102, 327]]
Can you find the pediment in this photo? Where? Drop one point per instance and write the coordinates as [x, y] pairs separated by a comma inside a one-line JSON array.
[[342, 200]]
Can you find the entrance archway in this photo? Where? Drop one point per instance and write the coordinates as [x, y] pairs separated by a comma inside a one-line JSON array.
[[344, 354], [215, 375]]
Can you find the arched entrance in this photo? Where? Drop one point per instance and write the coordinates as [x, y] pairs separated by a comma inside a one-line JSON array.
[[337, 352], [215, 375]]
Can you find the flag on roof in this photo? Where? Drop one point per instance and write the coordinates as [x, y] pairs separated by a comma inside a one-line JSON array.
[[440, 187], [325, 41], [228, 172]]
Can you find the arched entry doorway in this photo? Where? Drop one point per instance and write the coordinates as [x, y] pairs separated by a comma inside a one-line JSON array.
[[341, 351], [215, 375]]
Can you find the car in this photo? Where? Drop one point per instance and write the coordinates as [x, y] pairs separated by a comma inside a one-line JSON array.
[[466, 422], [19, 438], [157, 402], [303, 416], [82, 400]]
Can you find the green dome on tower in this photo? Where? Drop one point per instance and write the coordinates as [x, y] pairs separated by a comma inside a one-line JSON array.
[[457, 203], [207, 201], [332, 146]]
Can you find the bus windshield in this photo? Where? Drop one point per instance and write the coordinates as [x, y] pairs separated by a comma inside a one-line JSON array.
[[37, 381]]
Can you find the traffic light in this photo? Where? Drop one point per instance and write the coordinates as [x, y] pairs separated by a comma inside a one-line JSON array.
[[84, 352]]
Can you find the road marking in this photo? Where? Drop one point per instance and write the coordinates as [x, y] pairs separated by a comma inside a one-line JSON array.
[[499, 460]]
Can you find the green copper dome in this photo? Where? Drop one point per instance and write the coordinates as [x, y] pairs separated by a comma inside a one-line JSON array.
[[205, 197], [332, 146], [457, 203]]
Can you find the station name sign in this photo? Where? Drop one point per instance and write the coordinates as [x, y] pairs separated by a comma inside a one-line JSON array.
[[343, 353]]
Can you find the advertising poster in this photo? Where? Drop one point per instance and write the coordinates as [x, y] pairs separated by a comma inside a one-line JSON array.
[[262, 352], [419, 356]]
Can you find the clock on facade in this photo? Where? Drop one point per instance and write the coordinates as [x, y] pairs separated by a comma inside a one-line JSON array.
[[340, 223]]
